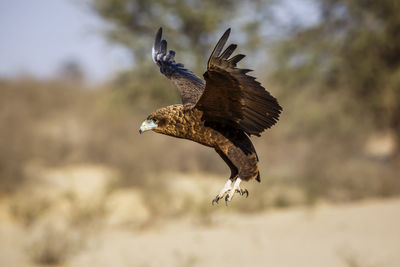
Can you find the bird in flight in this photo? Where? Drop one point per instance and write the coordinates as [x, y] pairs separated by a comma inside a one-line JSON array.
[[221, 112]]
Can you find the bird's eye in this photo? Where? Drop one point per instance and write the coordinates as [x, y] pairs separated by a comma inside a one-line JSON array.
[[154, 120]]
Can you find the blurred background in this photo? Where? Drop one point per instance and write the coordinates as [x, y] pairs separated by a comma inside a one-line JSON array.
[[80, 187]]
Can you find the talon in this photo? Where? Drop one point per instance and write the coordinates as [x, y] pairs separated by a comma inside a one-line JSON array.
[[245, 192], [227, 188], [242, 192], [215, 200], [226, 200]]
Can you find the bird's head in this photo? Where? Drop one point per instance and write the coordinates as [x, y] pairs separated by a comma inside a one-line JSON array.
[[153, 122], [161, 121]]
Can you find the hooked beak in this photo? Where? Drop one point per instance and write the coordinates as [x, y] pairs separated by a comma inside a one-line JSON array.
[[147, 125]]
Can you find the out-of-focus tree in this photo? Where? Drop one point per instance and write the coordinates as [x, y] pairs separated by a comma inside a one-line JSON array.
[[71, 71], [188, 24], [354, 49], [190, 27]]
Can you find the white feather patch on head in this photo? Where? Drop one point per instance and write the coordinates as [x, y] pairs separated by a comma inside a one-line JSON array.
[[147, 125]]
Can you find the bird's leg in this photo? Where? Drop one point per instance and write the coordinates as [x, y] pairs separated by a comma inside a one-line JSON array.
[[227, 187], [236, 188]]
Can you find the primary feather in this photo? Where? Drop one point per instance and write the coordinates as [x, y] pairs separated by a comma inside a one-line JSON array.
[[189, 85], [231, 96]]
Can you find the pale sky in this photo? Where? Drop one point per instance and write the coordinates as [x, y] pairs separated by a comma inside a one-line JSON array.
[[36, 36]]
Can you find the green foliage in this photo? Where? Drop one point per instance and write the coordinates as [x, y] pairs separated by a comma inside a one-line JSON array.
[[354, 50], [189, 24], [191, 28]]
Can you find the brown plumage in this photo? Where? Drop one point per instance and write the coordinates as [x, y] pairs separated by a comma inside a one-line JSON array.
[[221, 113]]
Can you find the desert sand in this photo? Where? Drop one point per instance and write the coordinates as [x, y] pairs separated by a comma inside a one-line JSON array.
[[359, 234], [68, 232]]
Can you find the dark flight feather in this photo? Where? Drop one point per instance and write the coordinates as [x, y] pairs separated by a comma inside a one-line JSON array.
[[220, 45], [189, 85], [233, 97]]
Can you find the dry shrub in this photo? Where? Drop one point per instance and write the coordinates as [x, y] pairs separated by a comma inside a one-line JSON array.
[[23, 105], [53, 246], [87, 215], [27, 210], [315, 146]]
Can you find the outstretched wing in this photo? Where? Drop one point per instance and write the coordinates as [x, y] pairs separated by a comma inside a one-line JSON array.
[[189, 85], [232, 97]]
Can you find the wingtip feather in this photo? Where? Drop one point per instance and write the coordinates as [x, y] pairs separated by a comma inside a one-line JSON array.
[[219, 46], [163, 47], [156, 45], [228, 52]]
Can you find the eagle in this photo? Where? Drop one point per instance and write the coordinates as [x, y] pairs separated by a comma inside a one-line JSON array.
[[221, 112]]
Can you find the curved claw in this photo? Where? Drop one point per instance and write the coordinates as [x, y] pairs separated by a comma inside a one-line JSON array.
[[245, 192], [215, 200], [226, 200]]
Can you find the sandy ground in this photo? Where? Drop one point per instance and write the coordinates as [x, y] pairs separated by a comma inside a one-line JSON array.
[[360, 234], [365, 233]]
